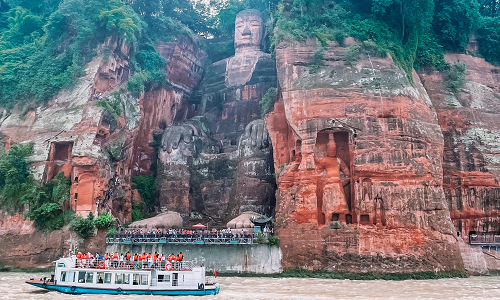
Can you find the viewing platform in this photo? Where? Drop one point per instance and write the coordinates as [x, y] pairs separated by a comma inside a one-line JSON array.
[[485, 240], [249, 240]]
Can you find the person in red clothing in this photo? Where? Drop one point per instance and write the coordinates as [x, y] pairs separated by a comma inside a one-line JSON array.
[[180, 257]]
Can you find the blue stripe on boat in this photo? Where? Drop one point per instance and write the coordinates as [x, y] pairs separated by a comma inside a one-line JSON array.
[[83, 290]]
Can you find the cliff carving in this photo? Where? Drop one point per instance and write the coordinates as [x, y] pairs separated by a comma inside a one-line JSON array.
[[359, 164], [220, 161]]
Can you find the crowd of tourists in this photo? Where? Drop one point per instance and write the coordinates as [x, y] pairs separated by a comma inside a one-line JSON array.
[[182, 233], [137, 261]]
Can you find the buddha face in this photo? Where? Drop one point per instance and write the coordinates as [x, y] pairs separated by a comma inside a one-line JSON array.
[[331, 147], [248, 31]]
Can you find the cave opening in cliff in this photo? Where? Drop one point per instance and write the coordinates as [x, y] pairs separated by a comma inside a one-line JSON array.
[[59, 160], [62, 151], [333, 190]]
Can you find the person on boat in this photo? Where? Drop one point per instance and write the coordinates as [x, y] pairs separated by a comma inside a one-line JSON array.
[[121, 260], [135, 256], [150, 260], [100, 280], [127, 256], [115, 259], [180, 257]]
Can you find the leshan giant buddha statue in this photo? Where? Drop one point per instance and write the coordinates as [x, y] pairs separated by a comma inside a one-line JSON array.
[[220, 163]]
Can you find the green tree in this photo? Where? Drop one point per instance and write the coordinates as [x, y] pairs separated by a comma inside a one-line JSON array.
[[454, 21], [84, 227], [488, 38], [104, 221], [146, 187], [15, 178]]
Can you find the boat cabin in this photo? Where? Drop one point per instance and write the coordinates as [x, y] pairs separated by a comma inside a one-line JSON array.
[[105, 275]]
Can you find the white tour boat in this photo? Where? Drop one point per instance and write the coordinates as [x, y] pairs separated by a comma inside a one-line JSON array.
[[92, 276]]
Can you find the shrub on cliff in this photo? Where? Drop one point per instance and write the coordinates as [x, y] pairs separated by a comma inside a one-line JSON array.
[[455, 77], [104, 221], [84, 227], [46, 202], [146, 187], [273, 240], [15, 179], [267, 101]]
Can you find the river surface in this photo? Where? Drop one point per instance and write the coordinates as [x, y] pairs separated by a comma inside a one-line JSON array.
[[12, 286]]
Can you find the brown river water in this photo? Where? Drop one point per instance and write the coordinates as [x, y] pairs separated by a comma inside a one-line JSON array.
[[12, 286]]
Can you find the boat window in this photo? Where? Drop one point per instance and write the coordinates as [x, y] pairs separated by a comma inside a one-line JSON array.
[[140, 279], [89, 278], [63, 276], [122, 278], [85, 277], [81, 277], [61, 265], [71, 276], [103, 277], [175, 279], [163, 278]]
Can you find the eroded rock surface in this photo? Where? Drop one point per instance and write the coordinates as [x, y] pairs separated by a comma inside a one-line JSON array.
[[470, 122], [387, 133]]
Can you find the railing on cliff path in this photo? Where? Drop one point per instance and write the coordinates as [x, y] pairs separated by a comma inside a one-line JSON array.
[[181, 240], [485, 240]]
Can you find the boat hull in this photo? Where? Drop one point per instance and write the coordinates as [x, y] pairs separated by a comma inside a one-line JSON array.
[[119, 291]]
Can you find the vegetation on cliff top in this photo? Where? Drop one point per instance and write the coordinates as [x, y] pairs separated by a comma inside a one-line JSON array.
[[45, 47], [415, 32]]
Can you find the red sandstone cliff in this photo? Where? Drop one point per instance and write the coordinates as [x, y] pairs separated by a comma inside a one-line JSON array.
[[71, 134], [470, 122], [395, 218]]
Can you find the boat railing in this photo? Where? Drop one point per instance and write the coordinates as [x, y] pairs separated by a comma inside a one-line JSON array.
[[180, 240], [111, 264]]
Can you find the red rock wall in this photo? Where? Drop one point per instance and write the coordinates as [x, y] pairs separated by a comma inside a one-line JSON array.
[[22, 246], [470, 122], [397, 218], [184, 69]]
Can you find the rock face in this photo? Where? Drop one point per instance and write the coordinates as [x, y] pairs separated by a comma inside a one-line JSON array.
[[360, 167], [24, 247], [100, 153], [220, 162], [470, 122], [161, 107]]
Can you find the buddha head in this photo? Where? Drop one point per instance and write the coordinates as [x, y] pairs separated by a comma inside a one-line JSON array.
[[331, 147], [248, 31]]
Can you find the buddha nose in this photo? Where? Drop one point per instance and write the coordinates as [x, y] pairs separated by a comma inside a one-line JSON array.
[[246, 31]]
